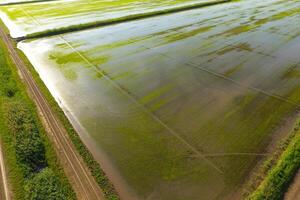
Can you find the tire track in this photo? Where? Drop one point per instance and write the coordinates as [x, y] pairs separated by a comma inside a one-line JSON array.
[[77, 172]]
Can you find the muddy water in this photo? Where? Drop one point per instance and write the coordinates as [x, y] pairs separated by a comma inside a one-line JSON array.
[[178, 106], [36, 17]]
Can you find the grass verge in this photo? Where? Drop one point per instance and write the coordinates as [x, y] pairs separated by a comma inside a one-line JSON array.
[[26, 146], [277, 172]]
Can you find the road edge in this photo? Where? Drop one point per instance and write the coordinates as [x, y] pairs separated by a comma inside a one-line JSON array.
[[34, 92], [3, 172]]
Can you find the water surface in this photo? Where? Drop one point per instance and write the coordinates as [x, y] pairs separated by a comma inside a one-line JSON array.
[[30, 18], [180, 105]]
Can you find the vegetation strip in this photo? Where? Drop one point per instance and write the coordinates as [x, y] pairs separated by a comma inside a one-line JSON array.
[[280, 169], [27, 151], [94, 167], [79, 27], [82, 177]]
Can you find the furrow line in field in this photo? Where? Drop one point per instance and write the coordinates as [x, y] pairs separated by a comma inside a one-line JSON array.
[[135, 101], [235, 81], [245, 86]]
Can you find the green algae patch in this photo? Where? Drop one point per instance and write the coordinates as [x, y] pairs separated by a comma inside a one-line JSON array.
[[232, 70], [72, 57], [293, 72], [70, 74], [186, 34], [33, 20], [239, 30], [156, 94]]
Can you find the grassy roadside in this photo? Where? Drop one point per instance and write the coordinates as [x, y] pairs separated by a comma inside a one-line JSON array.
[[14, 173], [95, 168], [24, 140], [79, 27], [277, 172]]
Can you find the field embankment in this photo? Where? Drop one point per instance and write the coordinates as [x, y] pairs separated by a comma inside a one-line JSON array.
[[280, 169], [94, 167], [127, 18], [33, 20]]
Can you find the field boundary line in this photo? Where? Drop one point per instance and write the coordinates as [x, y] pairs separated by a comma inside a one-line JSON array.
[[233, 154], [123, 19], [133, 99], [278, 97], [245, 86]]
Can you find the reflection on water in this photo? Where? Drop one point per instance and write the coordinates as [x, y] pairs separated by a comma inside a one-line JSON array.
[[171, 101], [37, 17]]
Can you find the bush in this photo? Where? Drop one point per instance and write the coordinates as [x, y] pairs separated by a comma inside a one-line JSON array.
[[45, 185], [30, 150]]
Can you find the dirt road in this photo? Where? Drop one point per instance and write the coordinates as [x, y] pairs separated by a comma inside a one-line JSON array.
[[4, 191], [77, 172], [293, 192]]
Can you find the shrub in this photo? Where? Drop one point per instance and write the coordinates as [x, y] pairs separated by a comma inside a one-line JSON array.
[[30, 150], [45, 185]]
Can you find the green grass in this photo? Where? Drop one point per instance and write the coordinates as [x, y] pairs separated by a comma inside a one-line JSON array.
[[16, 174], [105, 22], [278, 171], [127, 18], [12, 90], [95, 168]]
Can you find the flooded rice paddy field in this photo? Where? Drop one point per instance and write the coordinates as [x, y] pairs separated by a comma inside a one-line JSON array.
[[179, 106], [37, 17]]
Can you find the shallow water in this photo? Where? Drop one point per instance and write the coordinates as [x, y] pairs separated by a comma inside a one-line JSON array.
[[37, 17], [171, 101]]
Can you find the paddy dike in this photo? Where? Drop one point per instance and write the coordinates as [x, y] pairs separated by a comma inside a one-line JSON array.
[[32, 20]]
